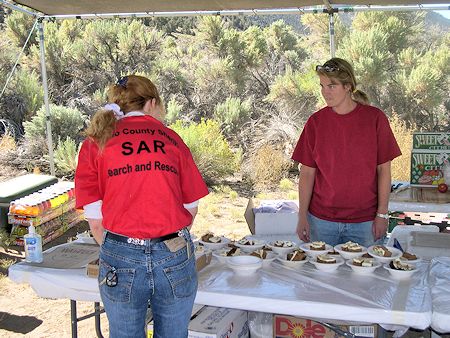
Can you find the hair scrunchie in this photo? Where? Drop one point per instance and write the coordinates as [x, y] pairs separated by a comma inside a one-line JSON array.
[[115, 109]]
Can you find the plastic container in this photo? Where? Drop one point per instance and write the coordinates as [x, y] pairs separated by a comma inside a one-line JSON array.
[[33, 246]]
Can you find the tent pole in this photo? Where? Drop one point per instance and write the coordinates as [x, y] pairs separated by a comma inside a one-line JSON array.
[[46, 101], [331, 32]]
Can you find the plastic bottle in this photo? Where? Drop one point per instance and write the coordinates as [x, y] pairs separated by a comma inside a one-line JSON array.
[[33, 246]]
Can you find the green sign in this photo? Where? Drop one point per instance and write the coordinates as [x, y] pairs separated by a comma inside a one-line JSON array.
[[431, 141], [427, 167]]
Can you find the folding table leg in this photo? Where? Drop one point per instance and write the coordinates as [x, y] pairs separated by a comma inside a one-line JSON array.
[[98, 311], [73, 318]]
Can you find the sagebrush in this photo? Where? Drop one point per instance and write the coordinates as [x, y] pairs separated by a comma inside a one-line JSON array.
[[210, 150]]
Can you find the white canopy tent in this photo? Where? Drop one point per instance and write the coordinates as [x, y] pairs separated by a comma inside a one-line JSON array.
[[87, 9]]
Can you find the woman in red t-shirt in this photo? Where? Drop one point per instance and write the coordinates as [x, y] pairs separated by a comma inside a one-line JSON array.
[[139, 187], [346, 151]]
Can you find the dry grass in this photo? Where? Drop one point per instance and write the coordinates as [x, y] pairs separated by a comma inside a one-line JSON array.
[[269, 166], [222, 211], [7, 143], [223, 215], [401, 165]]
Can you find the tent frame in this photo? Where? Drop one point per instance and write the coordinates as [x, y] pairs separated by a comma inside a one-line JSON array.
[[327, 9]]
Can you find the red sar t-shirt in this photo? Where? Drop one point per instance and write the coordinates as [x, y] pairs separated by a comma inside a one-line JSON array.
[[345, 150], [144, 175]]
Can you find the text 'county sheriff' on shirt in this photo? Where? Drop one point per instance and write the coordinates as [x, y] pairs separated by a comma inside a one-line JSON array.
[[143, 176]]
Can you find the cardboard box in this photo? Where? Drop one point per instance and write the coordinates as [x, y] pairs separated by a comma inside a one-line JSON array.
[[270, 223], [214, 322], [202, 259], [431, 141], [427, 167], [289, 326], [195, 309], [429, 244], [92, 269]]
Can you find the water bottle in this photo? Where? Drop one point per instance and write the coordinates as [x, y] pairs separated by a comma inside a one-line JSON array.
[[33, 246]]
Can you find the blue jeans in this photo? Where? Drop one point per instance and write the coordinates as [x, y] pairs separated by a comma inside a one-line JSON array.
[[335, 233], [148, 275]]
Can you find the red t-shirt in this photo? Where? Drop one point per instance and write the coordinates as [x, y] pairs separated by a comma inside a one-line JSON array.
[[345, 150], [144, 175]]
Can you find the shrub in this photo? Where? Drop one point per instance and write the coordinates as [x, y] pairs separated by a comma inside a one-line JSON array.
[[13, 108], [400, 166], [29, 153], [292, 195], [173, 110], [28, 86], [233, 195], [66, 156], [66, 122], [268, 166], [232, 114], [210, 150], [7, 143], [286, 184]]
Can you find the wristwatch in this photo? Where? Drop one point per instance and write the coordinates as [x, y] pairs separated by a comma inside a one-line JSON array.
[[385, 216]]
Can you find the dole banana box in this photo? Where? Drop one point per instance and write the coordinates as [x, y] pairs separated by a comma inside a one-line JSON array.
[[289, 327]]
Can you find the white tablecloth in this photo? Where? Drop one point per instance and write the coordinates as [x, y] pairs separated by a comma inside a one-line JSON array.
[[440, 292], [341, 295], [307, 292]]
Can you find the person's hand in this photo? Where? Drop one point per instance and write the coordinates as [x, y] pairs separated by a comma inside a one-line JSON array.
[[303, 230], [379, 227]]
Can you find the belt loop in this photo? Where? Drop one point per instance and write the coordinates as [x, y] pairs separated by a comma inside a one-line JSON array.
[[104, 235]]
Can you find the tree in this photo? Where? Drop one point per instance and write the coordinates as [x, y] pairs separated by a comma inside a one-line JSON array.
[[425, 84], [399, 73]]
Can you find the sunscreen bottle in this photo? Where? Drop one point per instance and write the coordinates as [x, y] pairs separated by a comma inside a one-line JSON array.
[[33, 246]]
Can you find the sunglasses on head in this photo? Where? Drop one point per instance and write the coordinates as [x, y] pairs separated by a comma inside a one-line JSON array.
[[327, 69]]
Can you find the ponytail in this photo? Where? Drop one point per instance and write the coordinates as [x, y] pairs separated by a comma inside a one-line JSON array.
[[102, 127], [360, 97]]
